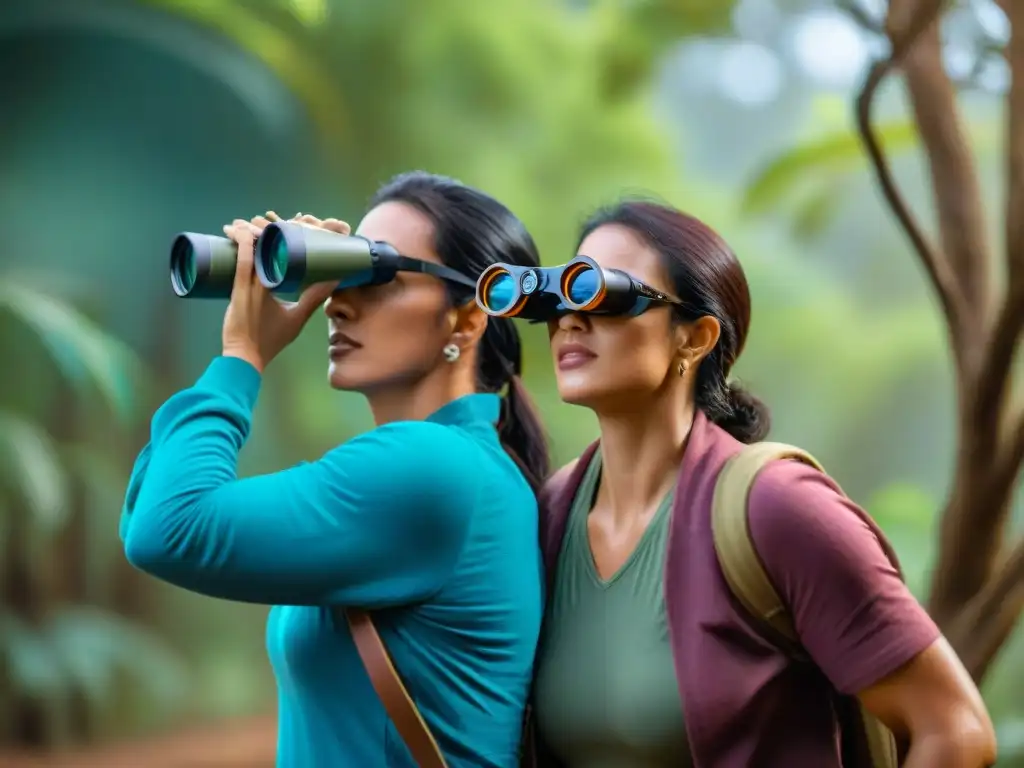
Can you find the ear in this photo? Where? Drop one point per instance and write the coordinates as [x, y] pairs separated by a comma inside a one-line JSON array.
[[697, 339], [469, 324]]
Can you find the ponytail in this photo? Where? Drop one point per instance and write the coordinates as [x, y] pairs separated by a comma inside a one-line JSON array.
[[519, 428], [522, 434], [729, 405]]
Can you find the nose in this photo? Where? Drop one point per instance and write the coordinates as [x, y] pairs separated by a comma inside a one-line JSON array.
[[572, 321], [339, 306]]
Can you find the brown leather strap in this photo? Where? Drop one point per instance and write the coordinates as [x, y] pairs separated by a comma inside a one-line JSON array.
[[392, 691]]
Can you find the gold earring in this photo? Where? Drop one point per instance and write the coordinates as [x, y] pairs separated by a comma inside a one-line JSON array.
[[683, 366]]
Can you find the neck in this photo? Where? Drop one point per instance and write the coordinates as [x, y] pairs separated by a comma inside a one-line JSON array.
[[416, 401], [641, 450]]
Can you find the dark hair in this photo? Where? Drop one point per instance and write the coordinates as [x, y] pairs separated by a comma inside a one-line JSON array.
[[472, 231], [708, 278]]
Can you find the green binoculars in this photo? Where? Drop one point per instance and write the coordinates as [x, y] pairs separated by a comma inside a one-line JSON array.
[[290, 257]]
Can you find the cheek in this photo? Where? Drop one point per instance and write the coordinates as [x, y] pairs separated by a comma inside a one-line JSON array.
[[631, 359], [401, 339]]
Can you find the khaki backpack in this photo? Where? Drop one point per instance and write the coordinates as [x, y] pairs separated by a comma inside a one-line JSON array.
[[751, 585]]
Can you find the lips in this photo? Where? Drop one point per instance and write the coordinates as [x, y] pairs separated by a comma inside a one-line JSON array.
[[340, 345], [574, 355]]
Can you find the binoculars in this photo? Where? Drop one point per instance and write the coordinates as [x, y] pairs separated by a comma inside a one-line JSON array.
[[288, 257], [540, 294]]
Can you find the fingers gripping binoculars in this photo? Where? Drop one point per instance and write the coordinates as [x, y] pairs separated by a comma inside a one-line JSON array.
[[290, 257]]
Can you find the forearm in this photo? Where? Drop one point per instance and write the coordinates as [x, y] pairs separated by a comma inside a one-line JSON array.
[[944, 750]]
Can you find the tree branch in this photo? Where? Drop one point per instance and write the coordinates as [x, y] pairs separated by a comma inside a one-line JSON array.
[[989, 460], [862, 16], [995, 372], [938, 270], [956, 186], [1010, 458], [989, 618]]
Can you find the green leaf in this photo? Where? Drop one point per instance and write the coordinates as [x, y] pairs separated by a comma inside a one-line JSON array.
[[836, 153], [31, 661], [818, 209], [284, 54], [86, 355], [820, 166], [310, 12], [102, 479], [30, 466], [94, 645]]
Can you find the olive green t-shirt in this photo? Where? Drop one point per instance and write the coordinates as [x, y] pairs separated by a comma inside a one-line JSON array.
[[606, 691]]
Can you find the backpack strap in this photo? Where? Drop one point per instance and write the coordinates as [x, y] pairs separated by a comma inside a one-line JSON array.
[[391, 690], [749, 581], [734, 545]]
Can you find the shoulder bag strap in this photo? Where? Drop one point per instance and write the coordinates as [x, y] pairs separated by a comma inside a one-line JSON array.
[[392, 691]]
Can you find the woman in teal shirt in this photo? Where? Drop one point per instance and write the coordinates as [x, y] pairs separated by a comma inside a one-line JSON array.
[[429, 520]]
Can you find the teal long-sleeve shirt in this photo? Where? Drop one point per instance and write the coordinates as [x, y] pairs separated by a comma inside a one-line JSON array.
[[428, 523]]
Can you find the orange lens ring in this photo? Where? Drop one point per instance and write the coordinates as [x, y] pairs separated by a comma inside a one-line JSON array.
[[485, 285], [573, 271], [516, 308]]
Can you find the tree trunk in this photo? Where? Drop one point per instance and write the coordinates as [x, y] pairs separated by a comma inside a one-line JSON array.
[[978, 585]]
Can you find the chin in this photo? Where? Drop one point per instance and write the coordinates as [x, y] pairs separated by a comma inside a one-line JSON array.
[[579, 393], [345, 379]]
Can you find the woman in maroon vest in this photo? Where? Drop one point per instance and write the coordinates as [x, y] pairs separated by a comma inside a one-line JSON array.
[[647, 660]]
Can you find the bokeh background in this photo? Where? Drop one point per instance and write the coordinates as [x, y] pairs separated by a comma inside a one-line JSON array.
[[123, 122]]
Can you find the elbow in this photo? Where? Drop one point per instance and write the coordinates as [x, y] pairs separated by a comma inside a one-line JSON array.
[[976, 737], [147, 553], [966, 740], [150, 548]]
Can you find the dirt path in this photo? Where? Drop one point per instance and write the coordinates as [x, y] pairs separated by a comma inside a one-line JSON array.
[[244, 743]]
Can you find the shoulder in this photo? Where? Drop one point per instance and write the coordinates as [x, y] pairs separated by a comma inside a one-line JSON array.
[[794, 502], [556, 482], [837, 575], [809, 533], [411, 458], [561, 475]]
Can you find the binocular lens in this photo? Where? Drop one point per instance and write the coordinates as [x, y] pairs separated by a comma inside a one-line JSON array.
[[203, 266], [581, 284], [273, 256], [183, 266], [499, 291]]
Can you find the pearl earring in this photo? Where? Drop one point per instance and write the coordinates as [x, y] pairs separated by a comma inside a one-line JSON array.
[[451, 352]]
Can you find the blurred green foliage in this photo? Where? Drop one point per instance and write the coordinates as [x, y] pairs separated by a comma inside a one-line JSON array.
[[550, 107], [57, 647]]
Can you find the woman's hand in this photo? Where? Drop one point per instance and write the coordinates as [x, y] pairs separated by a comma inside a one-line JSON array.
[[257, 326]]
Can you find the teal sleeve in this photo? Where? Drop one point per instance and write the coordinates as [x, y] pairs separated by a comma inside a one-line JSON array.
[[378, 521], [134, 484]]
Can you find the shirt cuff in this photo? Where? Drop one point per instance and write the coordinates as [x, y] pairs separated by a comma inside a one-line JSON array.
[[233, 378]]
